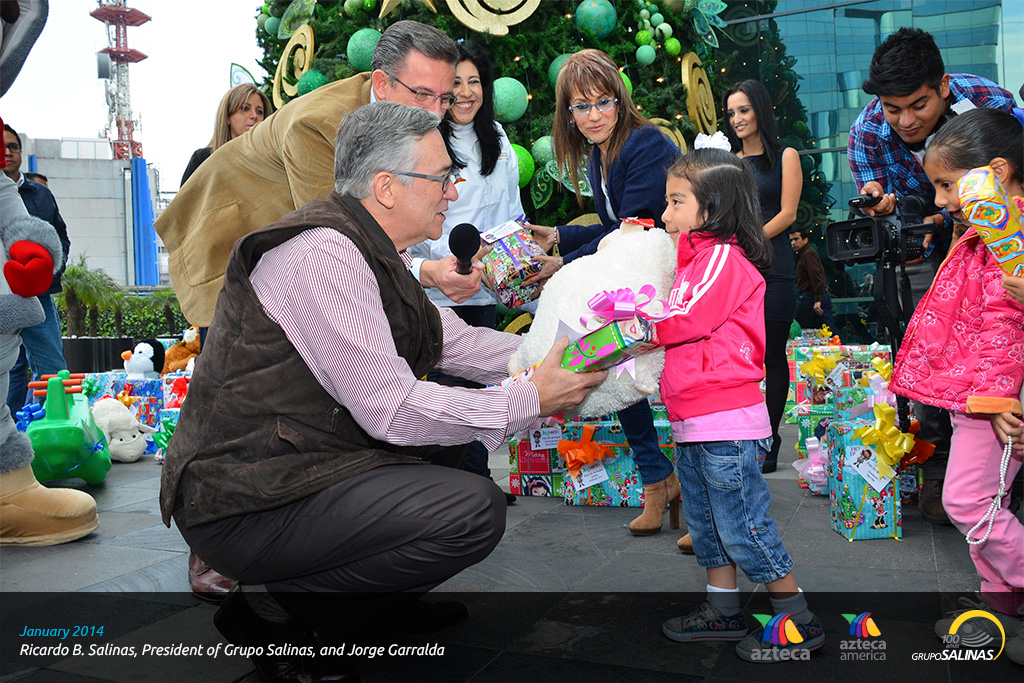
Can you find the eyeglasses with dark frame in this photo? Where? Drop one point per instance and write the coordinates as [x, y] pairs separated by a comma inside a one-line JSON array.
[[447, 179], [13, 146], [603, 104], [425, 97]]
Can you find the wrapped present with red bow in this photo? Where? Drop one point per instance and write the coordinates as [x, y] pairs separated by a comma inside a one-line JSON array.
[[621, 326]]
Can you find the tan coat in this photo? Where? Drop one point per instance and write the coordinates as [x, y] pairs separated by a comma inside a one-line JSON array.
[[249, 183]]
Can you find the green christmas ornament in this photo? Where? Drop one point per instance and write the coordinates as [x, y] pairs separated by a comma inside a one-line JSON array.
[[265, 9], [369, 5], [664, 31], [645, 55], [360, 48], [800, 128], [310, 81], [276, 9], [598, 16], [644, 14], [526, 165], [657, 20], [353, 7], [629, 83], [543, 150], [652, 7], [643, 37], [510, 99], [271, 25], [261, 20], [556, 64], [673, 47]]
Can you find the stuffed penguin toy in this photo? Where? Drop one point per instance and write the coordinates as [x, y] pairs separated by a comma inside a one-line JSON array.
[[625, 258], [144, 361]]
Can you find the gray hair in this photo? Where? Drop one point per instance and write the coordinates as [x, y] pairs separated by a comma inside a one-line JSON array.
[[380, 136], [406, 36]]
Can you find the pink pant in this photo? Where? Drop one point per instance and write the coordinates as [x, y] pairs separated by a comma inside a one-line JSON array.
[[972, 480]]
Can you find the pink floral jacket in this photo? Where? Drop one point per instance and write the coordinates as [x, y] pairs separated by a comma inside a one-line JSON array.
[[964, 346]]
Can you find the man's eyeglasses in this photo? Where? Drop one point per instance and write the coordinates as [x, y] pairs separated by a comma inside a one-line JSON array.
[[13, 147], [425, 97], [583, 108], [450, 178]]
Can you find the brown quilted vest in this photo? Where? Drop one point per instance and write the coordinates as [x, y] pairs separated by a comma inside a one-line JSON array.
[[257, 430]]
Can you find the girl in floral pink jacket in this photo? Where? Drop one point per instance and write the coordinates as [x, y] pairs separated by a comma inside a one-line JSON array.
[[964, 351]]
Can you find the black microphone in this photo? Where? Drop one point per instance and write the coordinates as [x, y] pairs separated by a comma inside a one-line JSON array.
[[464, 242]]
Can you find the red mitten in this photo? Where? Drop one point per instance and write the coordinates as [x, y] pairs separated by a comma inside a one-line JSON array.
[[30, 270]]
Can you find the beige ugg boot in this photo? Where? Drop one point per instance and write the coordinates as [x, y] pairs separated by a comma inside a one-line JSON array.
[[31, 514]]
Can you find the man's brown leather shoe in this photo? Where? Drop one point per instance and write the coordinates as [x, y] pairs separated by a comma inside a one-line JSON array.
[[206, 584]]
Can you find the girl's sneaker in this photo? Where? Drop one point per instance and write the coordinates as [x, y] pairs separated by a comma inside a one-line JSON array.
[[754, 648], [705, 623]]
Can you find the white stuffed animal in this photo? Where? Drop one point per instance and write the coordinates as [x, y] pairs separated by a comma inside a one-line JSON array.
[[126, 436], [625, 259]]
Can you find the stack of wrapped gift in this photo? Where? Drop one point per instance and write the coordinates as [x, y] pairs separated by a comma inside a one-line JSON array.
[[599, 462], [863, 494], [823, 369], [144, 396], [534, 469], [168, 423]]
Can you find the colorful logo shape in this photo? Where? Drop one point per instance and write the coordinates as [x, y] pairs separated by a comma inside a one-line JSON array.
[[780, 629], [862, 625], [978, 639]]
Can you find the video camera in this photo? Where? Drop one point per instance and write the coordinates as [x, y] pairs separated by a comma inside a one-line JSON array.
[[894, 239]]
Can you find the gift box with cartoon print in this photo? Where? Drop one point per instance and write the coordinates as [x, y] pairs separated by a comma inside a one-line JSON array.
[[145, 397], [828, 368], [864, 503], [611, 478], [812, 420]]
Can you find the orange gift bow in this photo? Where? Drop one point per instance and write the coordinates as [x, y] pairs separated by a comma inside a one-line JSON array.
[[890, 443], [583, 452], [922, 450]]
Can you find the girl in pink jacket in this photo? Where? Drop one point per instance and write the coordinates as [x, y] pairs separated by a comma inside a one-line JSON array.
[[964, 351], [714, 362]]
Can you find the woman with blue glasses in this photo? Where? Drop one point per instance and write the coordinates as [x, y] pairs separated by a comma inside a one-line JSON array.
[[627, 157]]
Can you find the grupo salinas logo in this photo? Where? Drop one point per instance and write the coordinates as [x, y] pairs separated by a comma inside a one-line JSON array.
[[778, 637], [969, 641], [866, 643]]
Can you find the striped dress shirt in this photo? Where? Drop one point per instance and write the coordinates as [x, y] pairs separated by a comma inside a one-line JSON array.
[[320, 290]]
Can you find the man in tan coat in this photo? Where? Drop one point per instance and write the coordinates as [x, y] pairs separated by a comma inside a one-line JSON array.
[[288, 161]]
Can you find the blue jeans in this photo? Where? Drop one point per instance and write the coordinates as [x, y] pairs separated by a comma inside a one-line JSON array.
[[638, 427], [45, 354], [726, 501]]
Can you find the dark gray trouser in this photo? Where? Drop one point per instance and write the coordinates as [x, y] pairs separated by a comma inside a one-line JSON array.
[[394, 528]]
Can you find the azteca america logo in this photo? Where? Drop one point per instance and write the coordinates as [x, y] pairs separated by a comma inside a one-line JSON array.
[[867, 643]]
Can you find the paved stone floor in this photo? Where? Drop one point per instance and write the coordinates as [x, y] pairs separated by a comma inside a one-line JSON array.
[[554, 562]]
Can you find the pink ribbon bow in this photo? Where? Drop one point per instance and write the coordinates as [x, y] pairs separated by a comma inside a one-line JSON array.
[[622, 304]]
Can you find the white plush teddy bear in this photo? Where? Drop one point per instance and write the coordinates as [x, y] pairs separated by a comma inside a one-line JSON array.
[[126, 436], [625, 259]]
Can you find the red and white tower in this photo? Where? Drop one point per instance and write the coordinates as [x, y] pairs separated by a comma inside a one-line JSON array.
[[118, 18]]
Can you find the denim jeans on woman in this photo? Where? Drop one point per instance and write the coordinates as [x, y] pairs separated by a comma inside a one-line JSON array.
[[638, 427]]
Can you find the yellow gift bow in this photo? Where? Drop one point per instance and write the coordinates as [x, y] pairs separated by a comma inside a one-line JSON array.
[[890, 443], [819, 366], [882, 367], [824, 332]]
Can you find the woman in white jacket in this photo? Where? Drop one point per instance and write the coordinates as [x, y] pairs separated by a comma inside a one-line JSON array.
[[488, 196]]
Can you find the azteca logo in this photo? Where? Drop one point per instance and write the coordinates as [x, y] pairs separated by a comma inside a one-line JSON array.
[[866, 643], [862, 625], [779, 630], [779, 633]]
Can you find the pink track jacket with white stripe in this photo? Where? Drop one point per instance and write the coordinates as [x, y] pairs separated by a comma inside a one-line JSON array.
[[714, 337]]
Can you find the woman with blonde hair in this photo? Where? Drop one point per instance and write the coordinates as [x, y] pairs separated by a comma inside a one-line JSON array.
[[627, 157], [240, 109]]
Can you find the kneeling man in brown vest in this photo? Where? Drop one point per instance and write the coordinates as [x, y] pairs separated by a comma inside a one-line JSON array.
[[308, 458]]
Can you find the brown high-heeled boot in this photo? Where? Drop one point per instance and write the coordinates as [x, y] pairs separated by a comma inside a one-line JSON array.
[[656, 496]]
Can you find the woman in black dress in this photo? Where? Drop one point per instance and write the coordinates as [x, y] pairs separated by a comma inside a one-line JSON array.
[[750, 127]]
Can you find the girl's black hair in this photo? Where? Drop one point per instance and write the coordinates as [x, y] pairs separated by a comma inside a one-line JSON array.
[[483, 124], [978, 136], [726, 190], [761, 102]]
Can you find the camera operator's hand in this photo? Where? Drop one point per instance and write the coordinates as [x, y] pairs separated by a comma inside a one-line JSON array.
[[883, 207]]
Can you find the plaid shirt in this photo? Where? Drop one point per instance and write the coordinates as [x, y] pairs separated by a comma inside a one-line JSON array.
[[876, 153]]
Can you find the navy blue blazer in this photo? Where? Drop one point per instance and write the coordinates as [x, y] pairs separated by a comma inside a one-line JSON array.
[[636, 185], [40, 203]]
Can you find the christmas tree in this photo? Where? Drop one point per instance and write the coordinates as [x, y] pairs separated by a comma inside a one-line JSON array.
[[678, 56]]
